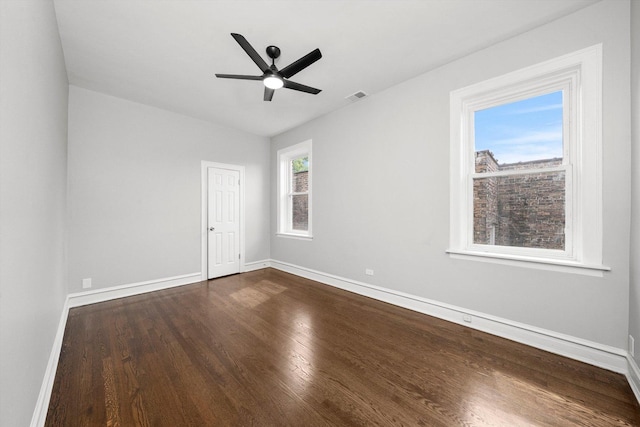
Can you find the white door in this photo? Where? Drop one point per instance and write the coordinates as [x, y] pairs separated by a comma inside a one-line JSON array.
[[223, 222]]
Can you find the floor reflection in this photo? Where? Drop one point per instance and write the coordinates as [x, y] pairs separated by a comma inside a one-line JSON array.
[[490, 401], [301, 353], [252, 296]]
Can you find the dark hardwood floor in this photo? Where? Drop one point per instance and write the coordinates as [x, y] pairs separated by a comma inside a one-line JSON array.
[[271, 349]]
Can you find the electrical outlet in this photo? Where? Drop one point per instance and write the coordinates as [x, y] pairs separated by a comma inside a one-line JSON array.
[[86, 283], [368, 272], [632, 345], [466, 318]]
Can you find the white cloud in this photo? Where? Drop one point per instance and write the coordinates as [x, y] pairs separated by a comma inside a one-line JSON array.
[[536, 109], [554, 136], [534, 145]]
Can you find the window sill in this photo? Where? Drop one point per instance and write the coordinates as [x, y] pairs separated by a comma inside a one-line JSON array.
[[531, 262], [294, 236]]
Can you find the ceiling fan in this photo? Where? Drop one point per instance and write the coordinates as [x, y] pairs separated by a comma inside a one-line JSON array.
[[271, 77]]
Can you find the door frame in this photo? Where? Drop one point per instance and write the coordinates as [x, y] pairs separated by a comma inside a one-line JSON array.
[[204, 197]]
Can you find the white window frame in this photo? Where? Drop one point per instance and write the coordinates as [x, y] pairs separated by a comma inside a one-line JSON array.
[[285, 196], [564, 82], [579, 76]]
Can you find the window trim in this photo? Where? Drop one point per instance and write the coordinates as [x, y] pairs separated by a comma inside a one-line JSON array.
[[285, 211], [579, 75]]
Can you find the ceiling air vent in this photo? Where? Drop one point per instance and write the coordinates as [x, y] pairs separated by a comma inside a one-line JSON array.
[[356, 96]]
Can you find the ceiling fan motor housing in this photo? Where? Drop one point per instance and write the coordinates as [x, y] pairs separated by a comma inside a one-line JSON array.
[[273, 52]]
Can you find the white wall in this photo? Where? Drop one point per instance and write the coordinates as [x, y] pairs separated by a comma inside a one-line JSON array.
[[134, 189], [634, 298], [381, 190], [33, 149]]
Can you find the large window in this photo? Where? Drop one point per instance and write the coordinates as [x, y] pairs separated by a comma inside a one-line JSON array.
[[294, 190], [525, 166]]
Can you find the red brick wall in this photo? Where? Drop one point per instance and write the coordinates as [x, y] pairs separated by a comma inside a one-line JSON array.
[[523, 210], [300, 203]]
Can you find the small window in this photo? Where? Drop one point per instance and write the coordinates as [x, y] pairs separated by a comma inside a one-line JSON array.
[[526, 178], [294, 195]]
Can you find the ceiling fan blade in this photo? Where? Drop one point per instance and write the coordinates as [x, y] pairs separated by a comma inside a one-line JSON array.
[[268, 94], [301, 64], [302, 88], [251, 52], [238, 76]]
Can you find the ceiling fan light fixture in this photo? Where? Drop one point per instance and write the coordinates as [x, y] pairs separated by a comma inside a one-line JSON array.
[[273, 82]]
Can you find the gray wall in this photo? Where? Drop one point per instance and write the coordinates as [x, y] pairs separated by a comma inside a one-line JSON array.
[[134, 189], [381, 190], [634, 299], [33, 150]]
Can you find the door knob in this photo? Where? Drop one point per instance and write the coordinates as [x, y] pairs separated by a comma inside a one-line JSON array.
[[211, 228]]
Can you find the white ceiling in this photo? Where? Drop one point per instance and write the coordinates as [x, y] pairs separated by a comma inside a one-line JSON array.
[[164, 53]]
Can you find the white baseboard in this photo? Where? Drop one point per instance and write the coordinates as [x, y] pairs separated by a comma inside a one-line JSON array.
[[42, 404], [596, 354], [100, 295], [256, 265], [90, 297], [633, 376]]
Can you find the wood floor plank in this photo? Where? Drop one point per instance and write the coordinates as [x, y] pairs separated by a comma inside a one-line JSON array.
[[267, 348]]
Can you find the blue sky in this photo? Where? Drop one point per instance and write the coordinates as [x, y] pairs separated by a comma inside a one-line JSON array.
[[521, 131]]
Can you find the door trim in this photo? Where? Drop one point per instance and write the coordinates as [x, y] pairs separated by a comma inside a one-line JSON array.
[[204, 192]]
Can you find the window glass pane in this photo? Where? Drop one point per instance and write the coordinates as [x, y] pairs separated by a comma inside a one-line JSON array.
[[300, 212], [519, 133], [300, 175], [526, 210]]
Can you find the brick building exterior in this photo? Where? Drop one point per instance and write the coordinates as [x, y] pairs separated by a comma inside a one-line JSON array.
[[522, 210], [300, 202]]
